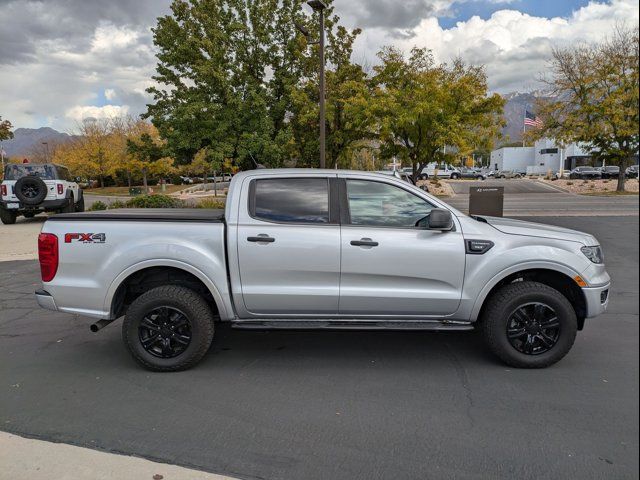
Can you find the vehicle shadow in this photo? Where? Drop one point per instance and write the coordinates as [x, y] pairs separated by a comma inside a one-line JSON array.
[[417, 348]]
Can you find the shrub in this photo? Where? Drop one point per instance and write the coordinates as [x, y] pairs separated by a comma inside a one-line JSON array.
[[154, 201], [211, 203], [117, 204], [98, 205]]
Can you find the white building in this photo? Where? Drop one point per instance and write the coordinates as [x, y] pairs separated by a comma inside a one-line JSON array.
[[543, 157]]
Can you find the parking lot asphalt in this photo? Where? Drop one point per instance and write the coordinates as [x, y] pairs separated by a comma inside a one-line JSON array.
[[336, 405]]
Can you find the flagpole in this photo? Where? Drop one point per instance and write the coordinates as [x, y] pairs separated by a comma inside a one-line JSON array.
[[524, 125]]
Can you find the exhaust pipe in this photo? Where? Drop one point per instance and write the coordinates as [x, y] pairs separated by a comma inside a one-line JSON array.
[[99, 325]]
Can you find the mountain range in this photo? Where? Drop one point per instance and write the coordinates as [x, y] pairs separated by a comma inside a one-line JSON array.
[[27, 141]]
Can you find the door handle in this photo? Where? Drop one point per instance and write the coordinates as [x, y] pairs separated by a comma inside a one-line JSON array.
[[261, 238], [364, 242]]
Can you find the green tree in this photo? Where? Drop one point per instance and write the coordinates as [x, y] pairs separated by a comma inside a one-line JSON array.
[[147, 149], [5, 129], [595, 88], [237, 78], [421, 108]]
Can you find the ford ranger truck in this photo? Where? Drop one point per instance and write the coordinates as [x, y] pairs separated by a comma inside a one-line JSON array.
[[322, 249]]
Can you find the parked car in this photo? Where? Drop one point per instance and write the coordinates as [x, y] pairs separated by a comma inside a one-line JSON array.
[[611, 171], [472, 173], [584, 173], [631, 172], [507, 174], [186, 180], [441, 170], [319, 249], [31, 188]]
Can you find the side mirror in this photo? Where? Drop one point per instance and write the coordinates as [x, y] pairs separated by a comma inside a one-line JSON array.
[[440, 219]]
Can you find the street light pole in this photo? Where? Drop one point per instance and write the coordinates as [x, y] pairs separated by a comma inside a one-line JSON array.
[[46, 146], [319, 6]]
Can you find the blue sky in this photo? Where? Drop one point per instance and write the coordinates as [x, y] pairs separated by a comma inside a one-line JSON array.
[[462, 11]]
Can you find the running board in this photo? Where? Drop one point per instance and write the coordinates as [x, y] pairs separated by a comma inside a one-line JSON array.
[[352, 324]]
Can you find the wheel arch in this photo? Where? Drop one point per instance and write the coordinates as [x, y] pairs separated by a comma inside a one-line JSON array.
[[556, 278], [139, 278]]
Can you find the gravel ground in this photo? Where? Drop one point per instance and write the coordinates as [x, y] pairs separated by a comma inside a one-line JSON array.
[[593, 186]]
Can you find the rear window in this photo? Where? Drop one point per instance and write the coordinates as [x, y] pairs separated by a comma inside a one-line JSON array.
[[291, 200], [16, 172]]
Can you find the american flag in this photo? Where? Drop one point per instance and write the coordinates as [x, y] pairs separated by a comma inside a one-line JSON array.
[[531, 119]]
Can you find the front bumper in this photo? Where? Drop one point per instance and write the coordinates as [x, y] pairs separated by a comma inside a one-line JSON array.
[[45, 300], [597, 299], [44, 205]]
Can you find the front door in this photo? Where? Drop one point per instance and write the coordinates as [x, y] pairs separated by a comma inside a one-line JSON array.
[[391, 267], [289, 248]]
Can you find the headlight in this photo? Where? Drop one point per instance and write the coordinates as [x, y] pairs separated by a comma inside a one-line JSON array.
[[594, 254]]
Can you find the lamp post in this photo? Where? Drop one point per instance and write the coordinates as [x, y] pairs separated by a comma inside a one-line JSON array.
[[46, 146], [319, 6]]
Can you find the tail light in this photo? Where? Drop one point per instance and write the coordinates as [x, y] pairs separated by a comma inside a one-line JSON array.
[[3, 190], [48, 255], [60, 189]]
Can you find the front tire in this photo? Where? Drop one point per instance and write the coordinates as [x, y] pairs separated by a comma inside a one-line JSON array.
[[168, 328], [8, 217], [70, 207], [529, 325], [80, 205]]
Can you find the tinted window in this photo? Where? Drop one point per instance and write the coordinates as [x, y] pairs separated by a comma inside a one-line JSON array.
[[381, 204], [298, 200], [16, 172]]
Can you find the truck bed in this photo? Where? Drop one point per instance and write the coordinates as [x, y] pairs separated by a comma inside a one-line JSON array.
[[146, 214]]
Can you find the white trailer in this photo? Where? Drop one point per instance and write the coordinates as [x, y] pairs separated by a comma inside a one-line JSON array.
[[513, 158]]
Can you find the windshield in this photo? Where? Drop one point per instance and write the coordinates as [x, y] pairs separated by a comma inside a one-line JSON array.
[[16, 172]]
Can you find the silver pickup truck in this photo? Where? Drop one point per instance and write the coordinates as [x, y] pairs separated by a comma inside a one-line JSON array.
[[310, 249]]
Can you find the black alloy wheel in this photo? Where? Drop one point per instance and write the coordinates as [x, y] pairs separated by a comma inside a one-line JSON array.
[[533, 328], [165, 332], [168, 328], [528, 324]]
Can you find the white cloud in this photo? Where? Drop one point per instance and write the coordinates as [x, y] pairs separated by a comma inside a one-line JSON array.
[[514, 46], [110, 37], [110, 94], [79, 112]]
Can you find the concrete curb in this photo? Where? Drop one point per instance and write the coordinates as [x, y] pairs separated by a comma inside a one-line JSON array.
[[29, 459]]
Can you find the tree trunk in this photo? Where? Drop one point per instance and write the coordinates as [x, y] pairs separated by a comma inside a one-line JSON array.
[[129, 178], [144, 181], [101, 181], [620, 187]]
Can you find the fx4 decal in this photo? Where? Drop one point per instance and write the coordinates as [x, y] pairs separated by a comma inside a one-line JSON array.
[[85, 237]]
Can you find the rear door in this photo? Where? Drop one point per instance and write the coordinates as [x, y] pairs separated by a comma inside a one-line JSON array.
[[288, 244], [390, 267]]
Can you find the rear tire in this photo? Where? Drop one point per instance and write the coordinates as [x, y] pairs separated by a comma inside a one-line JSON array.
[[8, 217], [535, 344], [182, 336]]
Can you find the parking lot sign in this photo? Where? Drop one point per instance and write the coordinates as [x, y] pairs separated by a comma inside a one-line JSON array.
[[486, 201]]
